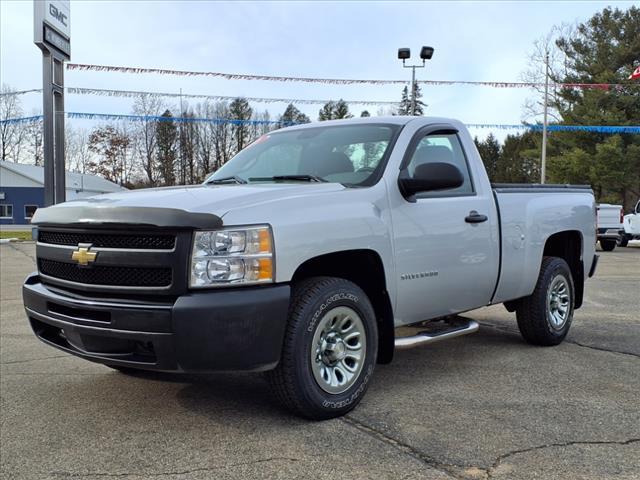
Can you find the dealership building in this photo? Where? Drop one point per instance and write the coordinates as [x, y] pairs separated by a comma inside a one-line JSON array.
[[22, 190]]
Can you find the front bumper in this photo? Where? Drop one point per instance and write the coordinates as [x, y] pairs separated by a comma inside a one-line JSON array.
[[239, 329]]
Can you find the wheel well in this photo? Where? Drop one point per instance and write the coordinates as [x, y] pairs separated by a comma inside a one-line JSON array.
[[568, 246], [365, 269]]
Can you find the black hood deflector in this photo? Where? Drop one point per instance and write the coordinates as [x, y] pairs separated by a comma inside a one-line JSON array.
[[108, 217]]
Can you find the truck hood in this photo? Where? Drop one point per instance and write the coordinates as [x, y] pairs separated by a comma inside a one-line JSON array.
[[149, 206]]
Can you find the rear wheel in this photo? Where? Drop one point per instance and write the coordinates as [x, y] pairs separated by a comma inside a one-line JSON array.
[[608, 244], [329, 349], [545, 316], [624, 241]]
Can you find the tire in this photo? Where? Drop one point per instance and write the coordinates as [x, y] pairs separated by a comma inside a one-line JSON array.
[[540, 317], [624, 241], [318, 376], [608, 245]]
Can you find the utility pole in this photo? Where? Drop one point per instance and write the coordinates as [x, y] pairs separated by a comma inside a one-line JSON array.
[[543, 167]]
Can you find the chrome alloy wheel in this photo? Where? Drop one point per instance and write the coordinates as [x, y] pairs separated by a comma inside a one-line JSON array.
[[338, 350], [558, 302]]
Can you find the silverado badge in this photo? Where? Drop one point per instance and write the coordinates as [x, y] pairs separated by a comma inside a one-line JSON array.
[[83, 256]]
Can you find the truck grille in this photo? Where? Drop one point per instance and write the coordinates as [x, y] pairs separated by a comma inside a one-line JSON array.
[[109, 240], [107, 275], [127, 260]]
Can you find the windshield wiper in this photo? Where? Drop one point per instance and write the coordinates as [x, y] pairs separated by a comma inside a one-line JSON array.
[[301, 178], [234, 179]]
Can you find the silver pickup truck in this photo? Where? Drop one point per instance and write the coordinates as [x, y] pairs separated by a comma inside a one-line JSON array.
[[305, 253]]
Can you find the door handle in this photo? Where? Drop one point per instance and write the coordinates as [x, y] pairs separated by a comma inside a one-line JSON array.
[[475, 217]]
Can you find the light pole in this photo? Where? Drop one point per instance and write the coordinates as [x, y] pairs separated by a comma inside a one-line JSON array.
[[404, 54]]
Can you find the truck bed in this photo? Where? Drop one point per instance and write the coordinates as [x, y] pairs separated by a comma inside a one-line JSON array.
[[529, 214]]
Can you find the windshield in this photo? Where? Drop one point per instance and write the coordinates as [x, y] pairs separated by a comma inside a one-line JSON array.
[[353, 155]]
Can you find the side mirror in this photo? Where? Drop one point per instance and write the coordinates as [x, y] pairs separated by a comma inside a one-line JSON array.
[[431, 176]]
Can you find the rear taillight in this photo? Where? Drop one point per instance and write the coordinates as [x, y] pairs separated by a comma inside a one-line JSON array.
[[621, 215]]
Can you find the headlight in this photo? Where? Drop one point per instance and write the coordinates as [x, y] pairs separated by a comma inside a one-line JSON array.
[[234, 256]]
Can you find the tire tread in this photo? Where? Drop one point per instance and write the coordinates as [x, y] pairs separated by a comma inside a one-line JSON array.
[[281, 379], [531, 312]]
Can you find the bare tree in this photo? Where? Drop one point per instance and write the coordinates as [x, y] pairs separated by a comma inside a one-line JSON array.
[[533, 107], [205, 145], [110, 146], [130, 159], [78, 153], [33, 141], [222, 135], [12, 133], [262, 126], [187, 147], [148, 105]]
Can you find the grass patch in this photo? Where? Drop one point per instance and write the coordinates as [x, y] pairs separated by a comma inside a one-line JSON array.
[[20, 235]]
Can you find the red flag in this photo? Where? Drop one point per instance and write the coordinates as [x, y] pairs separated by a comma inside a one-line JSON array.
[[635, 75]]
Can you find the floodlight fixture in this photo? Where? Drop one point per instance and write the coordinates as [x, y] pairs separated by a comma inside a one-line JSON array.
[[404, 53], [426, 53]]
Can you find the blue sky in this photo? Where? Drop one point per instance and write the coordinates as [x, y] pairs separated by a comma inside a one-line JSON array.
[[472, 41]]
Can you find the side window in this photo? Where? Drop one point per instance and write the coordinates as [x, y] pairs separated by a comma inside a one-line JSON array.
[[443, 148], [6, 211], [29, 210], [365, 155]]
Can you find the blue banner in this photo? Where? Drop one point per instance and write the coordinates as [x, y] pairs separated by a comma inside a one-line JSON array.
[[608, 129]]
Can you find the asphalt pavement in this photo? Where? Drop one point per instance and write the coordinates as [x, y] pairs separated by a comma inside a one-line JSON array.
[[482, 406]]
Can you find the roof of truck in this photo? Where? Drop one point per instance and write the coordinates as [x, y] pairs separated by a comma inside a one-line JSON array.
[[396, 120]]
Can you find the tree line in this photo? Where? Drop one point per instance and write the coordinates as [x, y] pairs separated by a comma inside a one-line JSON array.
[[178, 149]]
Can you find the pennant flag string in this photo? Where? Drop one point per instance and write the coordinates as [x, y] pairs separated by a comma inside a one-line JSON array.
[[335, 81], [20, 92], [610, 129], [135, 93], [21, 120]]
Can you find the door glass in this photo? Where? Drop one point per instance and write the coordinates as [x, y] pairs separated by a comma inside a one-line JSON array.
[[442, 148]]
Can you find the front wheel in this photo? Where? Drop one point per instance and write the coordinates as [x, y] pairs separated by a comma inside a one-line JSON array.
[[545, 316], [608, 244], [329, 350]]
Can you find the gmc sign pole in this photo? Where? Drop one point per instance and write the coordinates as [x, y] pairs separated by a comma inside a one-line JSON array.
[[52, 34]]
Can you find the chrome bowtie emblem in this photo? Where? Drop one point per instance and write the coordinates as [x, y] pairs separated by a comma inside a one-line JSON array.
[[83, 256]]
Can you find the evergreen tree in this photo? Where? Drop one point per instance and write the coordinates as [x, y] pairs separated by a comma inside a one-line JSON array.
[[519, 160], [334, 111], [405, 104], [489, 151], [240, 110], [603, 49], [326, 112], [292, 116], [405, 101], [166, 137], [420, 105], [341, 110]]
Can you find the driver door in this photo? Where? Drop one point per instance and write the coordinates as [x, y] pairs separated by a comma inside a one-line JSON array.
[[446, 258]]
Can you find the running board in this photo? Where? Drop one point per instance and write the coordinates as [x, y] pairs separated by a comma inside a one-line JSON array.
[[426, 337]]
